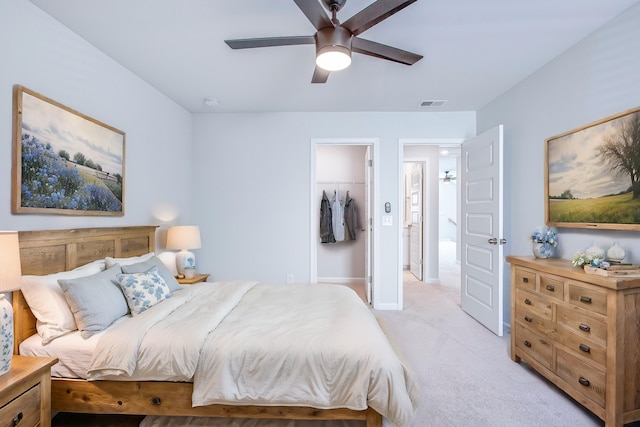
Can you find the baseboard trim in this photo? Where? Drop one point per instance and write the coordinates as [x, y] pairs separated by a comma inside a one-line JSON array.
[[341, 280]]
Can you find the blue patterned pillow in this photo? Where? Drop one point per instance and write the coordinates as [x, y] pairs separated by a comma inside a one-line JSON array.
[[143, 290]]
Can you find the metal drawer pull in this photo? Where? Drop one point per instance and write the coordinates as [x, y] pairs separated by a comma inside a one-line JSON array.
[[525, 279], [585, 382], [527, 344], [156, 401], [527, 301], [585, 348], [551, 288], [586, 300], [584, 327], [527, 318], [17, 419]]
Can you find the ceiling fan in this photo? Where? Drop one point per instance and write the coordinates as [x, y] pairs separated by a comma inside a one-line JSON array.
[[447, 178], [334, 40]]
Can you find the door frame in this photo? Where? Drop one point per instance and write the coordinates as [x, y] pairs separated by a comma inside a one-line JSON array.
[[402, 142], [374, 144]]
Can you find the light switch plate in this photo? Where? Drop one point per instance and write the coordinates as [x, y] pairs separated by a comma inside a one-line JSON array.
[[387, 220]]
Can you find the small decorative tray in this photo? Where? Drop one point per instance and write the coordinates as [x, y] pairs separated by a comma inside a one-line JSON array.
[[622, 270]]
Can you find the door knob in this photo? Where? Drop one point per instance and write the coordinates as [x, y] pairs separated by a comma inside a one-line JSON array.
[[493, 241]]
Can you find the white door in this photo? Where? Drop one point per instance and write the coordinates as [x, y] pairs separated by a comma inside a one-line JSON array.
[[482, 229], [367, 226], [416, 236]]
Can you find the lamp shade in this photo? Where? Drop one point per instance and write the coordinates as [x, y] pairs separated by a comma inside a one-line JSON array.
[[10, 271], [183, 237]]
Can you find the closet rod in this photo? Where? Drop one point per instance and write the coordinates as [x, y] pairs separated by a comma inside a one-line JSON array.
[[337, 182]]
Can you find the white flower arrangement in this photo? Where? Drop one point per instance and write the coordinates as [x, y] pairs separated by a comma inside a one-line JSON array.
[[580, 259]]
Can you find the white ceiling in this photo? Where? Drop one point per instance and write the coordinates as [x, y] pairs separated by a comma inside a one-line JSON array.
[[473, 50]]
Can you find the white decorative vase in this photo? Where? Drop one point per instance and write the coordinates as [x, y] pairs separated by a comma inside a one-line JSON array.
[[185, 259], [539, 250], [615, 253], [595, 252], [6, 335]]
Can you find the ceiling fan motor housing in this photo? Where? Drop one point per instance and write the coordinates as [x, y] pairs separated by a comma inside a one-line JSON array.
[[333, 38]]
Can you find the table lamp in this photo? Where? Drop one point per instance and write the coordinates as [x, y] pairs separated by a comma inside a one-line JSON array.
[[184, 237], [10, 280]]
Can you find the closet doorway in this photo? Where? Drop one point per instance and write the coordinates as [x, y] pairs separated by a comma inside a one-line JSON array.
[[343, 172]]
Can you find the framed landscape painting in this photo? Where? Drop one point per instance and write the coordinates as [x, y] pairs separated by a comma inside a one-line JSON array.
[[593, 175], [64, 162]]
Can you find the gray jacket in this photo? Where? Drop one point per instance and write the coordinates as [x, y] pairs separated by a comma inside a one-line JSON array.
[[326, 227]]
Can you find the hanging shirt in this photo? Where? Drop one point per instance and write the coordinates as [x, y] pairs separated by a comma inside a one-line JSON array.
[[337, 217], [350, 218]]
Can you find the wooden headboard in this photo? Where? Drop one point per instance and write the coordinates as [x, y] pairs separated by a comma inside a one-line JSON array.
[[52, 251]]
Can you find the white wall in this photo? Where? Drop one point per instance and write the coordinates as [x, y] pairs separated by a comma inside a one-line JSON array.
[[43, 55], [596, 78], [253, 205], [448, 200]]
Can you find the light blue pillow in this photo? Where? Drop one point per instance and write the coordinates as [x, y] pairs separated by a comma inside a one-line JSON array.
[[96, 301], [143, 290], [154, 261]]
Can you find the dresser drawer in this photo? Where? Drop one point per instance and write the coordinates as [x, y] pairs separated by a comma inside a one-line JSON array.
[[534, 321], [552, 287], [525, 279], [534, 345], [586, 348], [24, 410], [582, 377], [584, 326], [588, 298], [533, 302]]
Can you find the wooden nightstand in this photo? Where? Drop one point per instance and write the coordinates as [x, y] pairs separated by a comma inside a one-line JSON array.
[[197, 278], [25, 392]]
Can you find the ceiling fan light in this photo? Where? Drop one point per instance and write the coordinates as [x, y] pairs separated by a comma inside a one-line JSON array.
[[333, 58]]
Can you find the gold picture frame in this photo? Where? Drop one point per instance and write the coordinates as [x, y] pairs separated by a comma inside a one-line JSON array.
[[592, 175], [64, 162]]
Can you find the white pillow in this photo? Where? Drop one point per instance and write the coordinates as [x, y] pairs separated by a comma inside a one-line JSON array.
[[127, 261], [48, 304], [169, 260], [99, 263], [143, 290]]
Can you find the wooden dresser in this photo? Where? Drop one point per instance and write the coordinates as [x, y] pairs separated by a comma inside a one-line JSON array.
[[580, 331], [25, 392]]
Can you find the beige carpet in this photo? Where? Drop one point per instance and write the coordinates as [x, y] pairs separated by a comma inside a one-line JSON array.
[[466, 376], [465, 373]]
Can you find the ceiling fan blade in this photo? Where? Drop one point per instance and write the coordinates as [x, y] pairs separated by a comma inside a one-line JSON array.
[[367, 47], [315, 13], [320, 75], [373, 14], [270, 41]]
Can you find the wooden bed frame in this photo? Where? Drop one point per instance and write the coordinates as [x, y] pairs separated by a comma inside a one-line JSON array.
[[52, 251]]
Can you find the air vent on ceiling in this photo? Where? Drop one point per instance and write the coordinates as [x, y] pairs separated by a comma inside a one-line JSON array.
[[433, 103]]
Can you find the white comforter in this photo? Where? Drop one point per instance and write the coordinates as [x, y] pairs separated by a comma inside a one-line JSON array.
[[259, 344]]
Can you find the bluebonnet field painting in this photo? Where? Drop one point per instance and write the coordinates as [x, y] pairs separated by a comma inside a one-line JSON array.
[[69, 163]]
